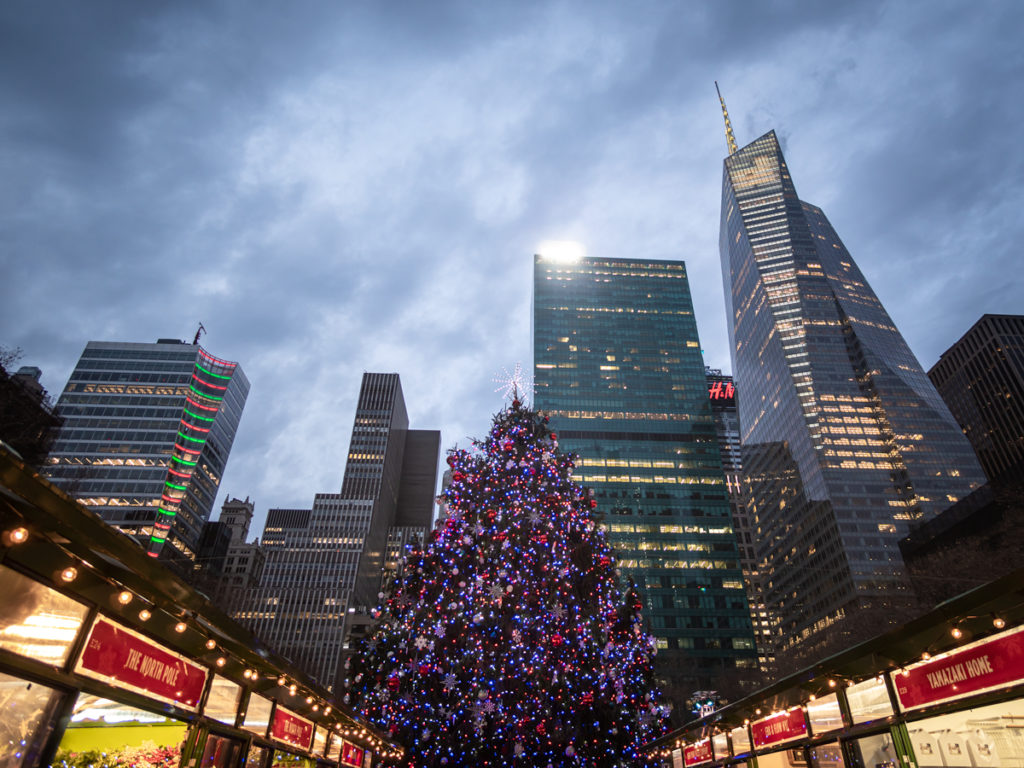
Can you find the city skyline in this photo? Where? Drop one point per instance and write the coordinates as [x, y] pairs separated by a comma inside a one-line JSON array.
[[325, 209]]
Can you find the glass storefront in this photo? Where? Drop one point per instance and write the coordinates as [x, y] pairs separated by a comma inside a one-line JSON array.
[[27, 713], [106, 733], [972, 738]]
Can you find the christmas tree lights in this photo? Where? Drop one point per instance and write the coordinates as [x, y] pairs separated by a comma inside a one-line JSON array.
[[507, 641]]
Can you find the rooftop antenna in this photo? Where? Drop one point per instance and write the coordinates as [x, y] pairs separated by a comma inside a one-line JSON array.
[[200, 331], [730, 138]]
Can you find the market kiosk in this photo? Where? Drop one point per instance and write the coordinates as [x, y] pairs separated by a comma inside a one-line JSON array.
[[109, 659], [946, 690]]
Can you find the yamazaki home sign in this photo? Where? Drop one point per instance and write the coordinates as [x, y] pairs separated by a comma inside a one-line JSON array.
[[975, 668], [695, 754], [291, 729], [776, 729], [125, 659], [351, 754]]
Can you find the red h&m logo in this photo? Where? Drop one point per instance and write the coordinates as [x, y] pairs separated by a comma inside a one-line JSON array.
[[720, 391]]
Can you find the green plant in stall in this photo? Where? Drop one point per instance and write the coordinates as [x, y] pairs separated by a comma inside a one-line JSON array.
[[146, 755]]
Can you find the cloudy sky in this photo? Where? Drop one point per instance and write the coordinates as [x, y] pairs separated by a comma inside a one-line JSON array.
[[332, 188]]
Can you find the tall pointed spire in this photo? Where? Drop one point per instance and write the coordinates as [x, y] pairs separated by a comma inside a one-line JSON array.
[[729, 137]]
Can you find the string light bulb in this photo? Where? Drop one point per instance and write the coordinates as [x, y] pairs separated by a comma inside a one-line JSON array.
[[221, 661], [998, 622], [211, 644], [145, 615], [956, 632], [124, 597], [17, 535], [69, 574], [180, 627]]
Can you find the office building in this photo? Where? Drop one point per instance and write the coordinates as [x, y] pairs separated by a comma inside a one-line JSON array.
[[845, 440], [981, 378], [325, 565], [147, 433], [722, 395], [618, 368]]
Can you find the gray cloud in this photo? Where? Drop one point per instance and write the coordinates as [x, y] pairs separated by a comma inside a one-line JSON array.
[[333, 188]]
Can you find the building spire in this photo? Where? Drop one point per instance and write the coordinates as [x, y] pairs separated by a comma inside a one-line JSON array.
[[729, 137]]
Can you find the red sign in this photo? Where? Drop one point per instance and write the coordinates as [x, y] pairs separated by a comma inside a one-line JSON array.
[[982, 666], [722, 391], [291, 729], [778, 728], [695, 754], [351, 754], [125, 659]]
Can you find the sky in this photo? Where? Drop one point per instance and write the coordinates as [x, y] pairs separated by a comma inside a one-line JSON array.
[[332, 188]]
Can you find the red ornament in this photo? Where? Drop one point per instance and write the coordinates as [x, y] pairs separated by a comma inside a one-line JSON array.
[[554, 435], [593, 503], [556, 639]]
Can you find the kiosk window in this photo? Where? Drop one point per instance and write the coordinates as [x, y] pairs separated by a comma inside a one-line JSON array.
[[869, 700], [28, 710], [222, 703], [982, 737], [824, 714], [257, 715], [37, 621]]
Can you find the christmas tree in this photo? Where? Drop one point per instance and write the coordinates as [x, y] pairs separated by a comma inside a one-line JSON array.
[[508, 641]]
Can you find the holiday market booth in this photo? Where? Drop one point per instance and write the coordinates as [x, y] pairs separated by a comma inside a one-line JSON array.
[[109, 659], [946, 690]]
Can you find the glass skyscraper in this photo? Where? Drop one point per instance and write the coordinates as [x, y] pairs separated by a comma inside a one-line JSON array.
[[618, 368], [146, 437], [845, 440]]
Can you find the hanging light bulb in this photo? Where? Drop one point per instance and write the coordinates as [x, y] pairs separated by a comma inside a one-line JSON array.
[[17, 535]]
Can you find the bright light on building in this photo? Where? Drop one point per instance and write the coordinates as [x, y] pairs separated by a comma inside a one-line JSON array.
[[561, 251]]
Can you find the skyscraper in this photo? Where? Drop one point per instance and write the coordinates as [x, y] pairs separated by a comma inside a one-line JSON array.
[[618, 368], [146, 437], [722, 394], [845, 440], [981, 378], [325, 565]]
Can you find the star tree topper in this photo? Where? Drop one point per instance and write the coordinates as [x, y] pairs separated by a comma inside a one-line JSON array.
[[518, 384]]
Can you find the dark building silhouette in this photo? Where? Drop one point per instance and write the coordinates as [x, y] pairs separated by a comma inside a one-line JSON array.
[[722, 395], [27, 421], [845, 440], [981, 378]]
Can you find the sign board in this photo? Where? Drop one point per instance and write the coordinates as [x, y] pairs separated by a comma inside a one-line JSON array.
[[351, 754], [126, 659], [986, 665], [778, 728], [697, 753], [291, 729]]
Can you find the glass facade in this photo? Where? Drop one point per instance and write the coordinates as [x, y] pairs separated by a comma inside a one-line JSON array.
[[125, 410], [618, 368], [845, 439], [981, 378]]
